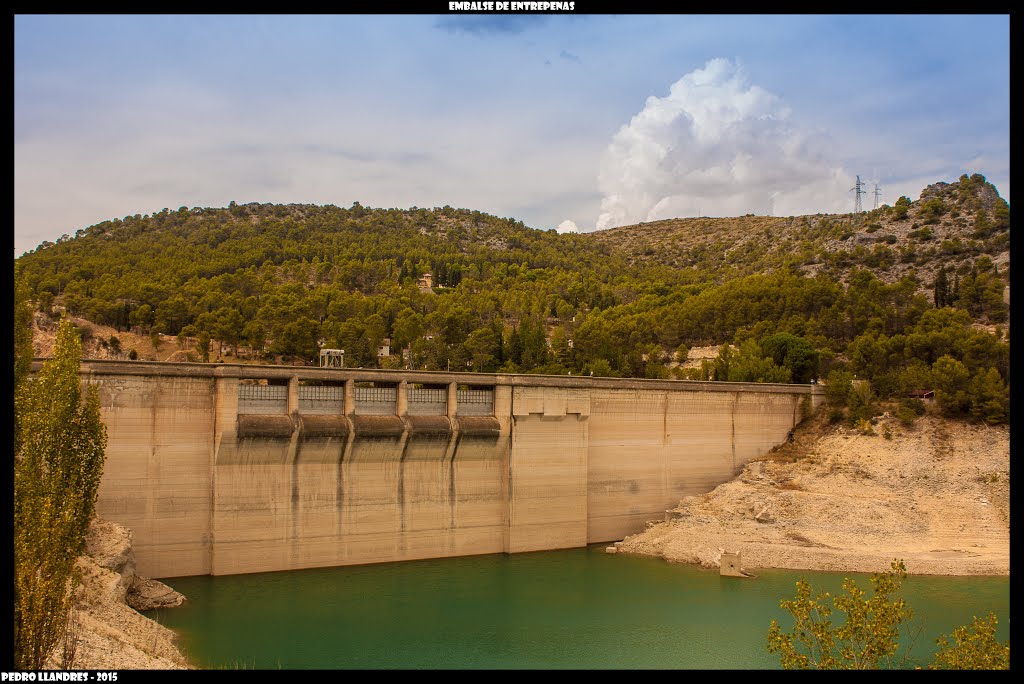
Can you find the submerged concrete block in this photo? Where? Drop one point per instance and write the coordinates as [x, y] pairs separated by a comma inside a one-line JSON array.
[[732, 566]]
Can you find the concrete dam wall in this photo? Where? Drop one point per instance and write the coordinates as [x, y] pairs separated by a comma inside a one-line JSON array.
[[225, 469]]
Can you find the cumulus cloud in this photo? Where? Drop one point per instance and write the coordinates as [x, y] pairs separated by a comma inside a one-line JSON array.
[[567, 226], [717, 146]]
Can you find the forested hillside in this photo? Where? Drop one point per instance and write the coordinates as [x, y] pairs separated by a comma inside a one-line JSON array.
[[909, 296]]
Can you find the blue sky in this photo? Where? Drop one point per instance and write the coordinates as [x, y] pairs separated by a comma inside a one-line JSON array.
[[561, 121]]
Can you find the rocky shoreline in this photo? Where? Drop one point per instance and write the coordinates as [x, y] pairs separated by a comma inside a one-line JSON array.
[[110, 633]]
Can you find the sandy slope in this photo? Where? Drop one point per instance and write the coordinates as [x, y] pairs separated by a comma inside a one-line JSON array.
[[935, 495]]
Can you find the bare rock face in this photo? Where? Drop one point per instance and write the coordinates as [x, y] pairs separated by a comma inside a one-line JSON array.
[[109, 545]]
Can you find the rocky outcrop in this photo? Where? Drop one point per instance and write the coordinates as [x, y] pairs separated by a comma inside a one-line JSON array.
[[110, 633], [149, 594], [109, 545]]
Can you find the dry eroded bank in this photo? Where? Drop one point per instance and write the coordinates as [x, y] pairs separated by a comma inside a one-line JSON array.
[[935, 495]]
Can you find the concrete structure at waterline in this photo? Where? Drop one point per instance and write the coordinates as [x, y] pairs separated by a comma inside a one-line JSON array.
[[731, 565], [225, 469]]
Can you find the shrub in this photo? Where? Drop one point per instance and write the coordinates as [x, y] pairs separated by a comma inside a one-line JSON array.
[[868, 635], [914, 404], [861, 401], [867, 638], [976, 648], [864, 427], [837, 387], [932, 210], [906, 416]]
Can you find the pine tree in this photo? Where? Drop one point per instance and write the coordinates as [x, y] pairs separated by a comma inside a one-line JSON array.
[[941, 289]]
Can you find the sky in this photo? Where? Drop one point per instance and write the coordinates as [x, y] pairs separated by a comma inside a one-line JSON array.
[[563, 121]]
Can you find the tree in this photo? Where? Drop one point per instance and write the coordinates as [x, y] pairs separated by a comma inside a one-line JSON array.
[[482, 347], [682, 354], [142, 316], [172, 315], [722, 363], [602, 369], [976, 648], [203, 345], [59, 452], [901, 207], [870, 636], [750, 365], [861, 401], [989, 397], [793, 352], [23, 349], [228, 326], [407, 328], [941, 289], [951, 386], [867, 639], [255, 336]]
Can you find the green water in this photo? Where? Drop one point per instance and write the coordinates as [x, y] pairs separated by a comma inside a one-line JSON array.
[[579, 609]]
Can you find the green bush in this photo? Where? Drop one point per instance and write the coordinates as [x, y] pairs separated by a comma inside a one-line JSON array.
[[868, 635], [861, 402], [837, 387]]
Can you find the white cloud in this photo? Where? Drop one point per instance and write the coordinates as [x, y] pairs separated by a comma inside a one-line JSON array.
[[717, 146], [567, 226]]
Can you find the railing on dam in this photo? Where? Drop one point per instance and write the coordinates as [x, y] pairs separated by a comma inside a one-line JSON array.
[[272, 396], [476, 402], [428, 401], [373, 400], [262, 399], [321, 399]]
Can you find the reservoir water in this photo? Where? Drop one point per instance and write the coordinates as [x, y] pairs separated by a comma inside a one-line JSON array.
[[576, 609]]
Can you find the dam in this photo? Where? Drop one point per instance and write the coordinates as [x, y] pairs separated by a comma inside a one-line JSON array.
[[225, 469]]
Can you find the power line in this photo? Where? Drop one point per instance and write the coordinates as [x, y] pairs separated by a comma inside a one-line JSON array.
[[878, 191], [857, 207]]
